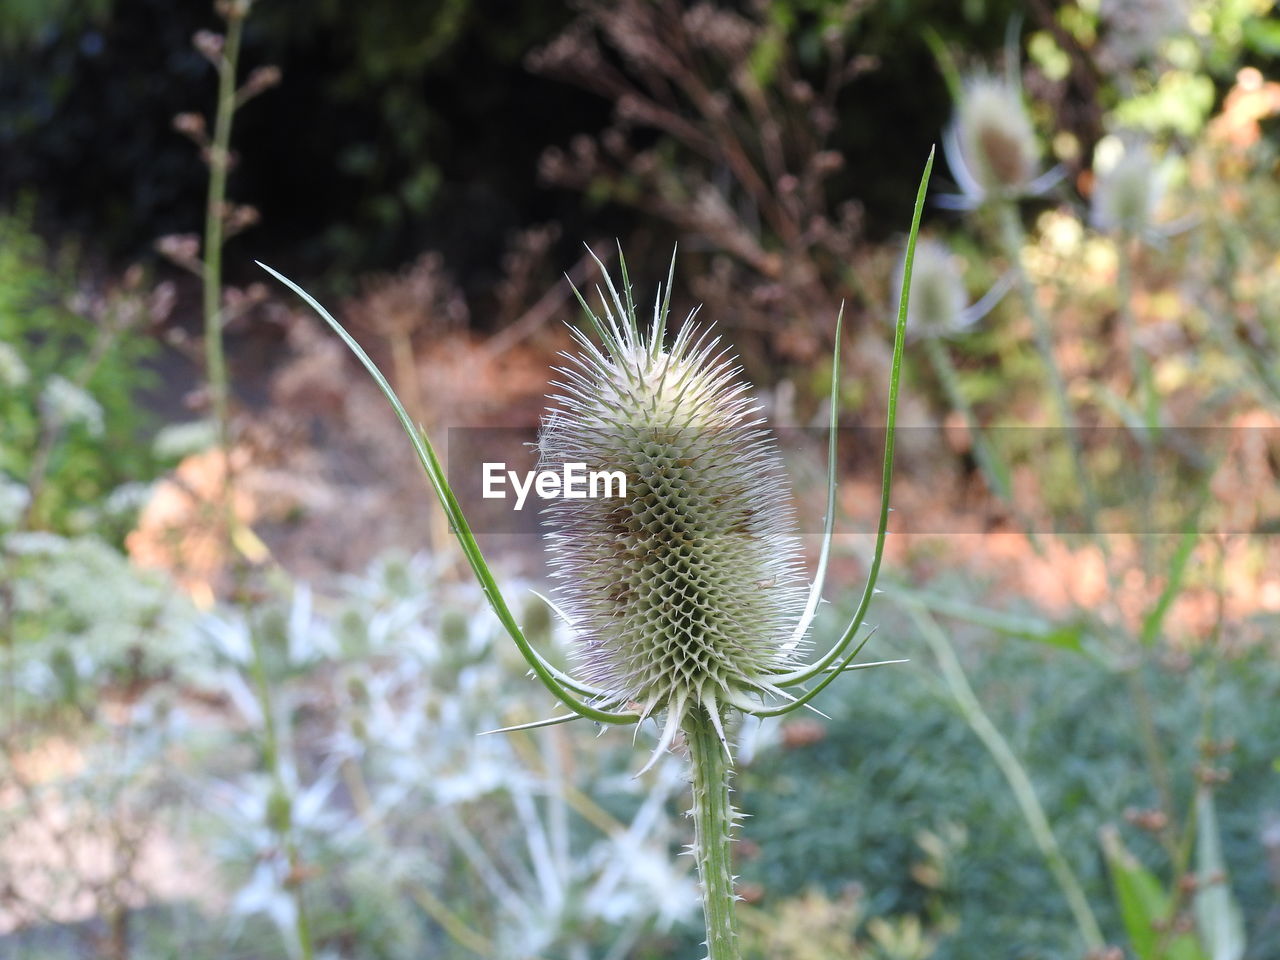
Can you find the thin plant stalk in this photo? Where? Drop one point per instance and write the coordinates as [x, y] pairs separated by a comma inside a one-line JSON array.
[[1139, 370], [227, 65], [1014, 239], [1143, 390], [945, 371], [1019, 782], [1182, 848], [271, 760], [992, 467], [1136, 680], [214, 229], [219, 153], [1140, 693], [713, 819]]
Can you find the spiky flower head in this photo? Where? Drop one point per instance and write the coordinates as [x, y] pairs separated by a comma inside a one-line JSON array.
[[939, 301], [1128, 192], [684, 592], [997, 142]]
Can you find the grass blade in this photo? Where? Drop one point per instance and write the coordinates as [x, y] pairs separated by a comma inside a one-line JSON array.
[[440, 484], [886, 477]]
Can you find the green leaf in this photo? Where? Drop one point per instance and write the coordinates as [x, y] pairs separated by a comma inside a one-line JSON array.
[[1263, 36], [1066, 635], [1154, 621], [1139, 896], [458, 523], [1218, 915], [886, 484], [1144, 905]]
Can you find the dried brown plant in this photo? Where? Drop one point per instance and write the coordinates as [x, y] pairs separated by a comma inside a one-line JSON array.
[[742, 160]]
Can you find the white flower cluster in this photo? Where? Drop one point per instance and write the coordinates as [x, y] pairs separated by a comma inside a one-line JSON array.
[[65, 404], [180, 440], [13, 372], [82, 611], [14, 498], [410, 664]]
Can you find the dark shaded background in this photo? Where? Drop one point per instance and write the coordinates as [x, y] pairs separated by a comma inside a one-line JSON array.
[[398, 127]]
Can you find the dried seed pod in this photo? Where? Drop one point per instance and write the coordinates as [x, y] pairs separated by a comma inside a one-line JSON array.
[[210, 45], [684, 590]]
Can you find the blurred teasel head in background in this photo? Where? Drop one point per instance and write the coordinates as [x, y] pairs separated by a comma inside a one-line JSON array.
[[939, 301], [991, 144], [939, 304], [1127, 189], [997, 142]]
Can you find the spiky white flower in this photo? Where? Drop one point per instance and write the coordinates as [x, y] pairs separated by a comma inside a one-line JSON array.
[[684, 592], [686, 595], [64, 403]]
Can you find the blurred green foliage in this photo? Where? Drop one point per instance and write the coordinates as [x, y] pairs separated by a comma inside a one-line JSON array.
[[27, 22], [71, 374], [83, 622], [896, 761]]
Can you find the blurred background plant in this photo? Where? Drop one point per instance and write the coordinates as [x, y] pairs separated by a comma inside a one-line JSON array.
[[74, 453], [198, 749]]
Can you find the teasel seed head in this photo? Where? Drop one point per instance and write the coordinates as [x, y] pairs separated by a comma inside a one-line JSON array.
[[683, 592], [1128, 192], [997, 141], [939, 300]]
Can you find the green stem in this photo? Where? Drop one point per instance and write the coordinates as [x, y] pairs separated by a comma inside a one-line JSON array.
[[302, 919], [945, 371], [1019, 782], [214, 221], [713, 823], [1014, 239], [1124, 298], [1140, 694], [993, 468], [1144, 394], [1140, 373], [271, 760]]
